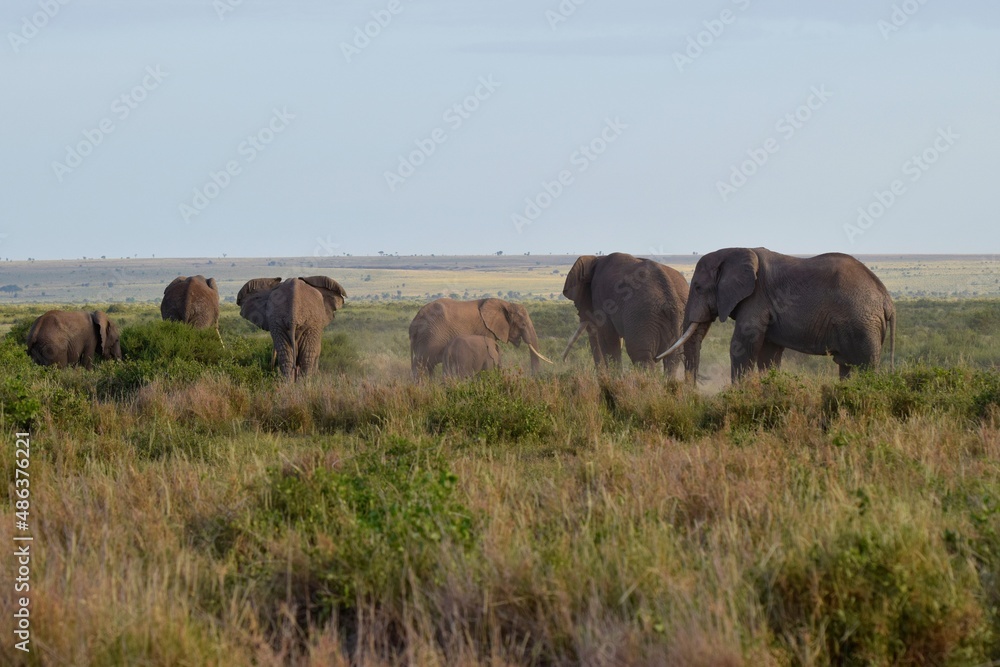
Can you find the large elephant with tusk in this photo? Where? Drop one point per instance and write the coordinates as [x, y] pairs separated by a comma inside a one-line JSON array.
[[441, 320], [830, 304], [618, 297]]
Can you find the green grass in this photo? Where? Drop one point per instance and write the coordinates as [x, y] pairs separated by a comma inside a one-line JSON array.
[[190, 507]]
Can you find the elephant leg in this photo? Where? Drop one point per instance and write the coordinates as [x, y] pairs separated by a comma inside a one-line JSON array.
[[309, 346], [769, 356], [745, 347], [283, 354]]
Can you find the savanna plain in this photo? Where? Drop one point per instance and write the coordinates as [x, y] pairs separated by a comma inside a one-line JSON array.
[[189, 507]]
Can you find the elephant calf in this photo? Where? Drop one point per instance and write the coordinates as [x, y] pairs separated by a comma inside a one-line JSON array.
[[70, 338], [465, 356]]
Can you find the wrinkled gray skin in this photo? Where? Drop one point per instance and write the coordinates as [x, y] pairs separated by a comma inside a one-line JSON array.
[[295, 312], [441, 320], [70, 338], [467, 355], [193, 300], [623, 297], [830, 304]]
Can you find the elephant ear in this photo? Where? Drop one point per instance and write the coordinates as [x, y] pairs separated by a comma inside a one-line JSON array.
[[333, 294], [101, 328], [253, 298], [212, 285], [577, 285], [496, 318], [737, 279]]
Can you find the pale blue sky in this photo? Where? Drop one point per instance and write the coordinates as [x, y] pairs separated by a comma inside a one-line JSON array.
[[674, 131]]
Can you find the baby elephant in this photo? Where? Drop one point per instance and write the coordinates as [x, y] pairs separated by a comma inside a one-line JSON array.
[[70, 338], [467, 355]]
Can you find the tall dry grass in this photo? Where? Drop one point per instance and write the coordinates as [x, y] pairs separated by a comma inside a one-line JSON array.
[[204, 512]]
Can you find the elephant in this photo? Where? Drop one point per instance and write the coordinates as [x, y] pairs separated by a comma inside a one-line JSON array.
[[441, 320], [295, 312], [467, 355], [192, 300], [70, 338], [830, 304], [620, 296]]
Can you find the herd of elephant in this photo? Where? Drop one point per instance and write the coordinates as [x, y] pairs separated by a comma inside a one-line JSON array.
[[830, 304]]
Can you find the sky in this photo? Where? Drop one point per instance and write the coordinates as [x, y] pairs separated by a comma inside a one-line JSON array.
[[272, 128]]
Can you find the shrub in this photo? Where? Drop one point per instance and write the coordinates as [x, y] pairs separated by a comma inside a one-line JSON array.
[[18, 332], [154, 341], [646, 400], [961, 392], [367, 527], [19, 407], [491, 407], [876, 594], [759, 401]]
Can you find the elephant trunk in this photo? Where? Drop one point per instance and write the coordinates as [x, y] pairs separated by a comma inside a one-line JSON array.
[[574, 338], [531, 338], [692, 352]]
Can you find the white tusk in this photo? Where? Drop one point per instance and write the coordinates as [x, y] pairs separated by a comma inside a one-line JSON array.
[[539, 355], [576, 337], [683, 339]]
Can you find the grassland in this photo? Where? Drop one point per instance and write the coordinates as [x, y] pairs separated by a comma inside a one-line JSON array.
[[189, 508], [393, 278]]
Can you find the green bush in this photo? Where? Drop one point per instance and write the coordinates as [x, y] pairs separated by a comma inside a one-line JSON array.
[[367, 527], [491, 407], [757, 402], [155, 341], [120, 380], [647, 401], [18, 332], [19, 407], [873, 594], [963, 392]]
